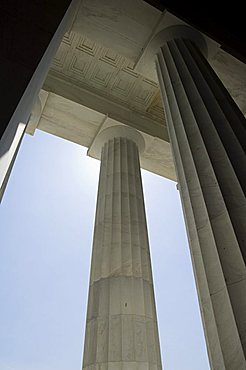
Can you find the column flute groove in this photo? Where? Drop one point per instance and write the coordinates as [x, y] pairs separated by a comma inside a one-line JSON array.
[[126, 331], [206, 307], [210, 164]]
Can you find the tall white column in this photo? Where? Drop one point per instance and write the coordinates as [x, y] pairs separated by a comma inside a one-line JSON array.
[[208, 137], [12, 136], [121, 325]]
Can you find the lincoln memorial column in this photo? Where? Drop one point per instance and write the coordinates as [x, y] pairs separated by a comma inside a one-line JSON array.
[[121, 326], [22, 79], [208, 137]]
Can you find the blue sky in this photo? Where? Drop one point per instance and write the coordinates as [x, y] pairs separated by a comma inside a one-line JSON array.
[[47, 219]]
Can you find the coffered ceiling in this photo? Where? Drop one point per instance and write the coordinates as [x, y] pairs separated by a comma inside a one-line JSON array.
[[85, 63], [102, 70]]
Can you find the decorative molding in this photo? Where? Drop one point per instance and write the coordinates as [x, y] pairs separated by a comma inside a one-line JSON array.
[[87, 64], [119, 111], [87, 46]]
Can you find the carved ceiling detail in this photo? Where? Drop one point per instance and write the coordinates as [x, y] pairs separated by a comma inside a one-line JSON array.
[[85, 63]]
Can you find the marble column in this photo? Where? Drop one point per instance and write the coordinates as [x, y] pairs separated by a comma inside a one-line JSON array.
[[121, 325], [18, 101], [208, 138]]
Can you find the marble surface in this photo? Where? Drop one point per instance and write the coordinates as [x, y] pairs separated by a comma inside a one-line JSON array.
[[210, 166], [128, 25], [108, 67], [121, 326], [76, 122]]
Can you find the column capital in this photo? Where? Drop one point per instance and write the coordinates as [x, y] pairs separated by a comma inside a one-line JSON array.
[[180, 32], [119, 131], [172, 32]]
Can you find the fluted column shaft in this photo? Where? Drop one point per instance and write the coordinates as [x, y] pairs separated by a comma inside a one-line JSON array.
[[207, 134], [121, 326]]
